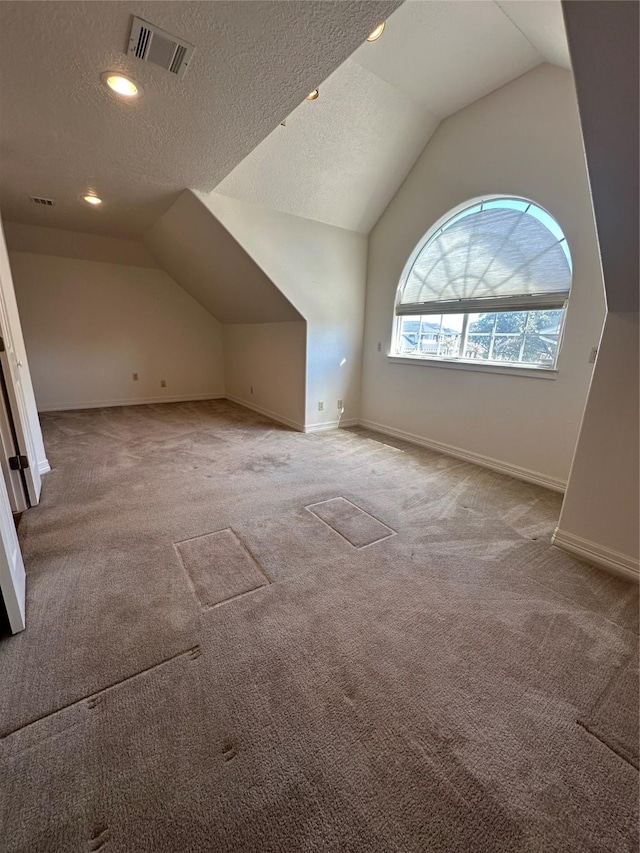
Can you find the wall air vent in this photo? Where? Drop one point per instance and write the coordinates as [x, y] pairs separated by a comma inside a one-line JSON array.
[[151, 44], [45, 202]]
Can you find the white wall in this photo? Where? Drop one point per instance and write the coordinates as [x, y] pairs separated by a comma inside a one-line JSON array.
[[76, 244], [265, 368], [89, 325], [601, 511], [524, 139], [321, 270]]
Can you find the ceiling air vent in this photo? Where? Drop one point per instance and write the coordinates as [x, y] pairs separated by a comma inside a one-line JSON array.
[[151, 44], [45, 202]]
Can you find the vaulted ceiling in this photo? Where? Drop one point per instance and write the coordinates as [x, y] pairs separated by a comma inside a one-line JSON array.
[[64, 134], [340, 159]]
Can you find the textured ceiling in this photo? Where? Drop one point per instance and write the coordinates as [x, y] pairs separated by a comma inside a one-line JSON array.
[[341, 159], [63, 134]]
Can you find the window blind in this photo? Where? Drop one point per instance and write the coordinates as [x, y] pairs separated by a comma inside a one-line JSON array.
[[493, 259]]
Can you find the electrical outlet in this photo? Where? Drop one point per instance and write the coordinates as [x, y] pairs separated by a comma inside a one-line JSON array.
[[379, 346], [320, 406], [340, 404], [135, 377], [593, 355], [163, 383]]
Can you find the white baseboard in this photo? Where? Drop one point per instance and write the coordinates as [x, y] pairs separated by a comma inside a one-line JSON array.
[[516, 471], [143, 401], [299, 427], [140, 401], [342, 423], [43, 466], [612, 561]]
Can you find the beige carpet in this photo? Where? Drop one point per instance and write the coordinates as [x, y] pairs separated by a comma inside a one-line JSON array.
[[410, 668]]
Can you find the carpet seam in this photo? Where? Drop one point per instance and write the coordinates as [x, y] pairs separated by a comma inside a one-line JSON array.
[[355, 506], [186, 571], [590, 731], [206, 607], [335, 530], [252, 556], [102, 690], [344, 538]]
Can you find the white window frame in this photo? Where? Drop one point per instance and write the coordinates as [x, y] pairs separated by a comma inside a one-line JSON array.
[[485, 365]]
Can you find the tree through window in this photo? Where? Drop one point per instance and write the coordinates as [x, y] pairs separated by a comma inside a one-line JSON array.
[[488, 283]]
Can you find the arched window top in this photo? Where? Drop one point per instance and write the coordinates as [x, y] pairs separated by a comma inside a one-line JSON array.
[[496, 254]]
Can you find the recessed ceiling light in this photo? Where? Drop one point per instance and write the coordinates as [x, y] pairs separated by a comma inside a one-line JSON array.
[[121, 85], [374, 35], [313, 96], [92, 199]]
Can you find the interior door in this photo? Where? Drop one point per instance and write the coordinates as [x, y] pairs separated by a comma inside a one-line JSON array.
[[13, 476], [12, 574], [11, 369]]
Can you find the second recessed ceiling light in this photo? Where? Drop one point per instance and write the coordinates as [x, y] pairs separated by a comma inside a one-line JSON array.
[[121, 85], [374, 35], [313, 96]]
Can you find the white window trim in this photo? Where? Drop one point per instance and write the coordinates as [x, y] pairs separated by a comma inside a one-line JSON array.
[[509, 368], [506, 368]]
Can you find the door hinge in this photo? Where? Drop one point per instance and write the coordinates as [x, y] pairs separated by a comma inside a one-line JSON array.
[[18, 463]]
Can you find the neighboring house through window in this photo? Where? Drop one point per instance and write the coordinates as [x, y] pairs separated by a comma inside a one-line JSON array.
[[489, 283]]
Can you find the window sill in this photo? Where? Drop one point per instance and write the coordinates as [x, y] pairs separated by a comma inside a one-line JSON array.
[[506, 369]]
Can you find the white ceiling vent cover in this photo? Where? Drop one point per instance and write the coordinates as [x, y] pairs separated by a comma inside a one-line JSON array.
[[151, 44], [45, 202]]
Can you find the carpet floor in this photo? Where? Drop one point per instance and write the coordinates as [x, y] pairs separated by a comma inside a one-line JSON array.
[[242, 638]]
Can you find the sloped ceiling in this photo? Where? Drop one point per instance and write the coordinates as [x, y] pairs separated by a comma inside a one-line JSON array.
[[202, 256], [340, 159], [542, 23], [64, 134]]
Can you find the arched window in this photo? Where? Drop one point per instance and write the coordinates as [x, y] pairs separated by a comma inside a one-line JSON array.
[[488, 283]]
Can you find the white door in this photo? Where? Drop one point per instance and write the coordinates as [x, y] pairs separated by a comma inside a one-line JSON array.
[[8, 451], [12, 575], [11, 368]]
